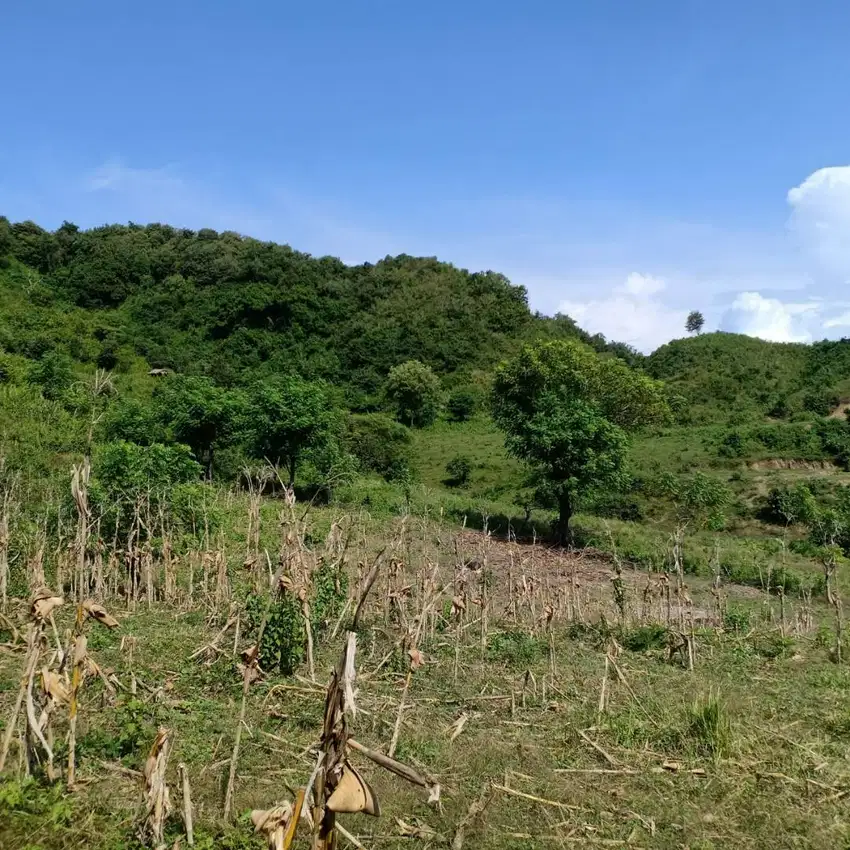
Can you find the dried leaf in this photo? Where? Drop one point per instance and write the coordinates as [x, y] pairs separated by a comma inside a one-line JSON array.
[[353, 794], [54, 687], [457, 726], [80, 647], [44, 603], [157, 798], [417, 659], [99, 613], [416, 830], [272, 823]]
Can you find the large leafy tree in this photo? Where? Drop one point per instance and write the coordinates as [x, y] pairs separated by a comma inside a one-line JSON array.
[[290, 418], [567, 412], [199, 414], [414, 390]]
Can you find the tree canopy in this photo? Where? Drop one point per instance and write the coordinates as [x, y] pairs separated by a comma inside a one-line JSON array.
[[567, 412]]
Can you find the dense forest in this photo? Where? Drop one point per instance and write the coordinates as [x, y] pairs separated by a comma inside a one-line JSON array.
[[231, 307]]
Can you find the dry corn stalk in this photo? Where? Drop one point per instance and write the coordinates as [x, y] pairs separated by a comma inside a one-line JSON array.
[[274, 824], [157, 798]]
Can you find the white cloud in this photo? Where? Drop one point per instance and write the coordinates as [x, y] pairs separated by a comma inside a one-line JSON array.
[[840, 321], [630, 313], [642, 285], [820, 218], [771, 319]]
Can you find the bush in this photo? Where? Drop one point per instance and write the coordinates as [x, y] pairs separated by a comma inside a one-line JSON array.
[[736, 620], [773, 645], [643, 638], [458, 470], [461, 405], [514, 647], [414, 390], [820, 401], [380, 445]]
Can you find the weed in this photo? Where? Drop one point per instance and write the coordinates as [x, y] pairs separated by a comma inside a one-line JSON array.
[[643, 638], [772, 645], [736, 619], [708, 728], [515, 647]]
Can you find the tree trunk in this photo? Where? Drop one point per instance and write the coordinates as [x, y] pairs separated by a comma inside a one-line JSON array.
[[565, 513], [292, 462]]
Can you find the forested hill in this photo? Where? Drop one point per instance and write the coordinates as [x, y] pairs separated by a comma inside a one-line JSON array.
[[234, 308], [723, 375]]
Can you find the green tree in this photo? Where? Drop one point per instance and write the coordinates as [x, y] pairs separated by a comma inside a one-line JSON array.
[[462, 404], [380, 444], [291, 417], [694, 322], [53, 373], [567, 412], [198, 413], [699, 499], [458, 470], [133, 421], [414, 390]]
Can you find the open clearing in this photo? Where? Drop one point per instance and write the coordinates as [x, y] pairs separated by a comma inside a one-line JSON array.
[[505, 707]]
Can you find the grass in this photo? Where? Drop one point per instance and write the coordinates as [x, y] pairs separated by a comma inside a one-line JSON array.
[[781, 722]]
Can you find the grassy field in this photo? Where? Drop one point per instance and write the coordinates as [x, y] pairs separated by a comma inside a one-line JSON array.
[[543, 693]]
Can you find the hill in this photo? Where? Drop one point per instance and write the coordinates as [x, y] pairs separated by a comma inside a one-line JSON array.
[[733, 377], [229, 518], [233, 307]]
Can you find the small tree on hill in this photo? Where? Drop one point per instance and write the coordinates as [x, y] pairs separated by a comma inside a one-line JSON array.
[[414, 390], [694, 322], [198, 413], [462, 404], [290, 418], [567, 413]]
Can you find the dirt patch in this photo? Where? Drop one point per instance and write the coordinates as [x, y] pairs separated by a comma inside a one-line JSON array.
[[840, 412], [784, 463], [555, 571]]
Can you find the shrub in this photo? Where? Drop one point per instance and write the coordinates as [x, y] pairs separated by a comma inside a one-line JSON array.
[[380, 445], [458, 470], [643, 638], [772, 645], [462, 404], [414, 390], [736, 619], [514, 647]]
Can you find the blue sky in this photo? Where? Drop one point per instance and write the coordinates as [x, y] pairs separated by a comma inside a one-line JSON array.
[[626, 161]]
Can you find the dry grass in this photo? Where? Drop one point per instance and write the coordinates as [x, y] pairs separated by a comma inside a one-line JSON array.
[[480, 665]]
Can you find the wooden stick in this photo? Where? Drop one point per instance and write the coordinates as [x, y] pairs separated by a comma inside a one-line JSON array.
[[400, 715], [390, 764], [607, 756], [476, 809], [513, 793]]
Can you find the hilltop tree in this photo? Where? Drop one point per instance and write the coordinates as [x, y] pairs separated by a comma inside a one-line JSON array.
[[414, 390], [567, 413], [694, 322], [291, 417]]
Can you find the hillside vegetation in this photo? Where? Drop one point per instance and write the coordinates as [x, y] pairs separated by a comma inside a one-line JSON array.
[[266, 518]]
